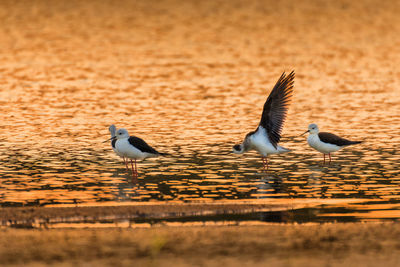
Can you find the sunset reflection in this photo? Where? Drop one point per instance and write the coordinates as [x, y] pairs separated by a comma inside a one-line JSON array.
[[193, 87]]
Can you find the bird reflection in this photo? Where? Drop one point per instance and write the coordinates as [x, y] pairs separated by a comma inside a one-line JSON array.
[[270, 183]]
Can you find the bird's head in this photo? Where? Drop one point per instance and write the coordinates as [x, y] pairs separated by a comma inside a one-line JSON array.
[[312, 129], [238, 149], [122, 133]]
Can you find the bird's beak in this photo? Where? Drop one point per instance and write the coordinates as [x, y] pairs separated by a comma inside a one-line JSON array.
[[112, 138], [305, 132]]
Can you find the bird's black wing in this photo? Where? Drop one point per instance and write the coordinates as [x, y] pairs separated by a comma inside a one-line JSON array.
[[276, 107], [333, 139], [140, 144]]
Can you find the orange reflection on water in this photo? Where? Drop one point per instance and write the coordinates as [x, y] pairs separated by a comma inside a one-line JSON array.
[[193, 89]]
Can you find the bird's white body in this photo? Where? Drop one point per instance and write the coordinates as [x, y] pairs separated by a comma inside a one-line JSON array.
[[129, 151], [117, 152], [314, 141], [260, 142]]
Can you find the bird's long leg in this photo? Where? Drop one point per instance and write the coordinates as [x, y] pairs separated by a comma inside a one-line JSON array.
[[330, 158], [133, 173], [136, 171], [126, 164], [265, 163], [324, 158], [263, 160]]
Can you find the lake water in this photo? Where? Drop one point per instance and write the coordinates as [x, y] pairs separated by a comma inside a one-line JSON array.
[[193, 99]]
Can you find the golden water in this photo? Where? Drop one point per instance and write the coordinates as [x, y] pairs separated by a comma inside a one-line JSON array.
[[192, 92], [52, 150]]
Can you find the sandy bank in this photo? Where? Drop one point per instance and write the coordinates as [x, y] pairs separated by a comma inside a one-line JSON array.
[[351, 244]]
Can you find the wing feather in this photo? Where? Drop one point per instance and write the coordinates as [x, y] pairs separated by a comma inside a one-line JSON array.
[[140, 144], [333, 139], [276, 107]]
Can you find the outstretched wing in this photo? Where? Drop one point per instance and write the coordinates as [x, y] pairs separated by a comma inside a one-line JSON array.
[[276, 107], [140, 144]]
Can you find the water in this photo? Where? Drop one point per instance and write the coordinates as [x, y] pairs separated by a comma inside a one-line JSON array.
[[193, 101], [55, 155]]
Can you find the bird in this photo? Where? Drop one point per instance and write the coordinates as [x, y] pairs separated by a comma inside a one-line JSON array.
[[266, 137], [133, 148], [326, 143], [113, 130]]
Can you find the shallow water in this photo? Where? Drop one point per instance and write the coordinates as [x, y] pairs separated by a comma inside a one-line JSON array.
[[194, 102], [68, 163]]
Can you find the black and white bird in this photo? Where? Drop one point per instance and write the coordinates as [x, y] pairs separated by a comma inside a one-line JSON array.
[[133, 148], [266, 137], [326, 143]]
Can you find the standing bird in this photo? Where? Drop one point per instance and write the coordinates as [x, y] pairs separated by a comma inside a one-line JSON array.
[[112, 130], [326, 143], [266, 137], [133, 147]]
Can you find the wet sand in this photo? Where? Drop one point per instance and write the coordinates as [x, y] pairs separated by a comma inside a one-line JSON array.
[[249, 243], [351, 244], [45, 216]]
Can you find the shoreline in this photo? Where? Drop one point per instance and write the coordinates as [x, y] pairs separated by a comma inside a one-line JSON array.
[[328, 244], [30, 216]]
